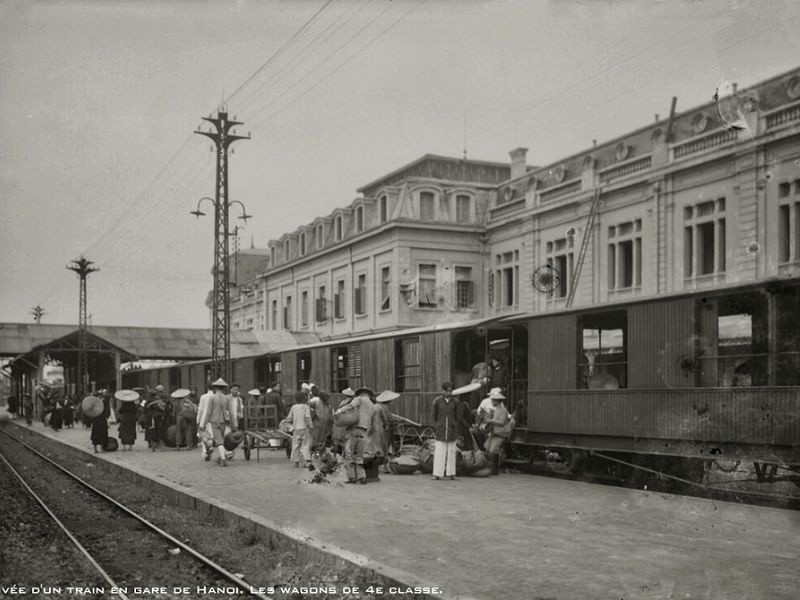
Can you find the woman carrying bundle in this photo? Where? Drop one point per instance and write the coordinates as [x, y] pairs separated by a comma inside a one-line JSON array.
[[128, 413]]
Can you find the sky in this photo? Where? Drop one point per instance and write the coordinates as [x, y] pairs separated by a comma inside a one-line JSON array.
[[98, 101]]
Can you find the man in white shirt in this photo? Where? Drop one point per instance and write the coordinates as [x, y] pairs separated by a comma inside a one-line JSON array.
[[206, 440]]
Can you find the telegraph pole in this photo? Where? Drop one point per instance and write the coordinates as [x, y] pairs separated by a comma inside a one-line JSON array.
[[83, 268], [37, 312], [222, 135]]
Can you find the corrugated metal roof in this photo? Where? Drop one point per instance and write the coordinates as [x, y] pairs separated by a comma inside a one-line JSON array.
[[150, 342]]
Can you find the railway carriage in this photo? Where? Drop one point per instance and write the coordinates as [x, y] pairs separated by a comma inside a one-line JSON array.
[[703, 376]]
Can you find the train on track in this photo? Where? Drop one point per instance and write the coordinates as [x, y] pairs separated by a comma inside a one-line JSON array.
[[671, 384]]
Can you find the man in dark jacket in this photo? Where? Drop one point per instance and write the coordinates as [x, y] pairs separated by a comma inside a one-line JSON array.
[[445, 423]]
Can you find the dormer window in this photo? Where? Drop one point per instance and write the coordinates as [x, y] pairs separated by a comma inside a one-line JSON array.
[[384, 208], [272, 256], [320, 236], [426, 206], [463, 209], [302, 244], [286, 251], [359, 219], [339, 228]]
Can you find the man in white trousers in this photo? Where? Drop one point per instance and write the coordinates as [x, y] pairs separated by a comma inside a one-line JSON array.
[[446, 428], [204, 435]]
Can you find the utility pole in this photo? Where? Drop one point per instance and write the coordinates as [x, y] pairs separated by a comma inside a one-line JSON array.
[[37, 312], [222, 135], [83, 268]]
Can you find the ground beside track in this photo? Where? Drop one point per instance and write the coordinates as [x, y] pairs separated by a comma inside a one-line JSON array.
[[509, 536]]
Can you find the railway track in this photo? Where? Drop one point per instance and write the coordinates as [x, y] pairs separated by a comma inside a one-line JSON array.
[[132, 556]]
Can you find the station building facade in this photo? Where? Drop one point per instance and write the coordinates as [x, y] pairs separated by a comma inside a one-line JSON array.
[[707, 198]]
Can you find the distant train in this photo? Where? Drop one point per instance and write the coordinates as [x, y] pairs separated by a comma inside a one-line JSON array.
[[701, 376]]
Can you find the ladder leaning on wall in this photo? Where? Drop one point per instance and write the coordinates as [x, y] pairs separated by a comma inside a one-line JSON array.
[[585, 241]]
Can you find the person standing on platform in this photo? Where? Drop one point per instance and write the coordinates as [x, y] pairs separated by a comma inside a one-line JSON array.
[[339, 433], [218, 410], [302, 426], [273, 398], [12, 406], [355, 439], [237, 402], [464, 420], [100, 428], [321, 415], [57, 412], [446, 428], [27, 408], [382, 430], [156, 421], [206, 440], [127, 413], [185, 429], [68, 412]]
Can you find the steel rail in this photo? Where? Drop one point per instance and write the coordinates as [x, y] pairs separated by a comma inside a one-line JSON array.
[[241, 583], [66, 531]]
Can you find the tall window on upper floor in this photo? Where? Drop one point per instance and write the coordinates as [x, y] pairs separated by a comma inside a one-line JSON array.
[[286, 249], [274, 319], [789, 221], [360, 294], [384, 209], [444, 207], [386, 288], [304, 308], [426, 295], [272, 256], [288, 315], [625, 255], [302, 244], [321, 311], [463, 209], [319, 236], [704, 238], [359, 219], [506, 280], [426, 206], [338, 300], [339, 228], [561, 257], [465, 288]]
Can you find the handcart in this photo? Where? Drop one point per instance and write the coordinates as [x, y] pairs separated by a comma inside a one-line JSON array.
[[261, 431]]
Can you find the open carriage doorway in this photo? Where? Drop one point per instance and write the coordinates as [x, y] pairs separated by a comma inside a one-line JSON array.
[[499, 353]]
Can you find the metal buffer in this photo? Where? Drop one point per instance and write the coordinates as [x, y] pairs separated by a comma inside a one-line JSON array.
[[223, 135], [83, 267], [585, 241]]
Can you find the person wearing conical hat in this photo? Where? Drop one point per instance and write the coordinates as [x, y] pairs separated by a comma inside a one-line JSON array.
[[128, 413], [220, 408], [186, 420], [382, 430]]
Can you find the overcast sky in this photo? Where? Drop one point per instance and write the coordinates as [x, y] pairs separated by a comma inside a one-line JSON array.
[[98, 102]]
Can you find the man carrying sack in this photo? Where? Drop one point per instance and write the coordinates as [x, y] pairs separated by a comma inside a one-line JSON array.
[[356, 415], [219, 409]]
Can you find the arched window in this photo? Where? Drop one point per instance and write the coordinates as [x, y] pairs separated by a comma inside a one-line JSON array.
[[384, 209], [286, 250], [320, 236], [302, 244], [359, 219], [272, 256], [339, 228], [426, 206], [463, 209]]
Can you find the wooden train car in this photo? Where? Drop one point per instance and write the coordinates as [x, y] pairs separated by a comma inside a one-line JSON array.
[[709, 375], [705, 375]]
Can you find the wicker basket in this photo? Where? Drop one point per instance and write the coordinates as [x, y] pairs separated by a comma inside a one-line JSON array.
[[401, 469]]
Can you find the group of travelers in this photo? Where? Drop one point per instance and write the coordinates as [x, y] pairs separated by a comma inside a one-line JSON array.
[[59, 409], [360, 430]]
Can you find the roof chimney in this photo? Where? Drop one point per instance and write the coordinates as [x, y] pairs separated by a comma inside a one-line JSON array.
[[518, 165]]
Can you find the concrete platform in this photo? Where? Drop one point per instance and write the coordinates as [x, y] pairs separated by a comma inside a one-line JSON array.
[[512, 536]]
